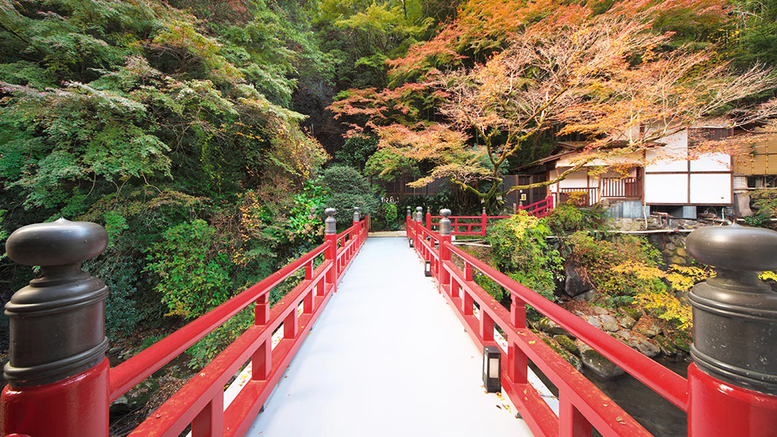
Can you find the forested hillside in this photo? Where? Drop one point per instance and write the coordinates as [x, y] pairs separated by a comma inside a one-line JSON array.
[[197, 132]]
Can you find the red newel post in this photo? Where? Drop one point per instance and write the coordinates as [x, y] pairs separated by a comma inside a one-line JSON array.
[[330, 237], [408, 223], [428, 218], [445, 252], [483, 222], [732, 382], [356, 230], [58, 372], [417, 228]]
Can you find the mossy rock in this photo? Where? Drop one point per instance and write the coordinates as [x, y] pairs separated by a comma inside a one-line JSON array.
[[634, 313], [598, 364], [565, 354], [682, 341], [567, 344], [549, 327], [667, 348]]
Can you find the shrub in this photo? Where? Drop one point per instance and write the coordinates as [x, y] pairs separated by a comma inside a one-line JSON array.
[[192, 272], [347, 189], [519, 247], [600, 257]]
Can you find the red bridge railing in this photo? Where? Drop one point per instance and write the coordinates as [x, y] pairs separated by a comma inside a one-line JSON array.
[[477, 224], [583, 406], [201, 401]]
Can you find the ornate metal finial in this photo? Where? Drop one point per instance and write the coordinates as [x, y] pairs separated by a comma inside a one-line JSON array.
[[356, 215], [330, 224], [419, 213], [735, 314], [409, 209], [445, 222], [57, 322]]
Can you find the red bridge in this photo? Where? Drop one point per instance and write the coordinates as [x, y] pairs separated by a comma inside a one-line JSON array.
[[368, 343]]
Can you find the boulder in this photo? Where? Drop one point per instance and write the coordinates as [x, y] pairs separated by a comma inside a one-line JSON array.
[[634, 313], [565, 354], [648, 348], [609, 323], [647, 326], [588, 296], [666, 346], [597, 363], [600, 310], [577, 281], [627, 322], [567, 343], [595, 322], [549, 327], [639, 342]]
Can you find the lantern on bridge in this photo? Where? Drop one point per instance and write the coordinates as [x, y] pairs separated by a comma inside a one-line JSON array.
[[492, 368]]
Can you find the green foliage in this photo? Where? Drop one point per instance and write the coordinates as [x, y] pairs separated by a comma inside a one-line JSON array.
[[347, 189], [600, 257], [519, 247], [765, 202], [566, 219], [357, 150], [193, 273], [389, 166], [387, 218]]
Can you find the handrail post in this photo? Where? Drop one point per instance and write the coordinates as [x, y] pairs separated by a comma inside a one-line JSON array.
[[517, 360], [483, 222], [417, 227], [445, 253], [408, 222], [428, 218], [330, 237], [355, 230], [732, 383], [58, 372]]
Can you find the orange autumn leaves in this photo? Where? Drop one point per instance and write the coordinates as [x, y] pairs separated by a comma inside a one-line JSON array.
[[616, 76]]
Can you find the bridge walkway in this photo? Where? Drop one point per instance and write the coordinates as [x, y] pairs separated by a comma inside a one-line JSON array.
[[387, 357]]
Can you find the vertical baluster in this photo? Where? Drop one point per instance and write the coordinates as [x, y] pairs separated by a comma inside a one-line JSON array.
[[445, 253], [330, 254], [486, 326], [307, 303], [517, 361], [467, 301], [261, 360], [572, 423], [291, 324], [210, 421]]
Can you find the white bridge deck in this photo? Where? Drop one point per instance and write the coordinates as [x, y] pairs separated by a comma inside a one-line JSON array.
[[387, 357]]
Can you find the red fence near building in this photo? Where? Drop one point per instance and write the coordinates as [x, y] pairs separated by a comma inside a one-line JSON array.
[[477, 224]]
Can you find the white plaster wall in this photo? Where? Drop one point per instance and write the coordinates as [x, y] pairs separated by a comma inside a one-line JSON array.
[[666, 188], [711, 188], [577, 179], [712, 162], [671, 157]]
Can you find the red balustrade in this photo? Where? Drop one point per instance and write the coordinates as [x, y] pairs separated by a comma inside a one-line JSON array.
[[200, 402], [582, 405], [476, 225]]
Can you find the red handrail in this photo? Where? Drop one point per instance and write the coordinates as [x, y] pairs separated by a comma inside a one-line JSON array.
[[200, 402], [464, 224], [582, 405]]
